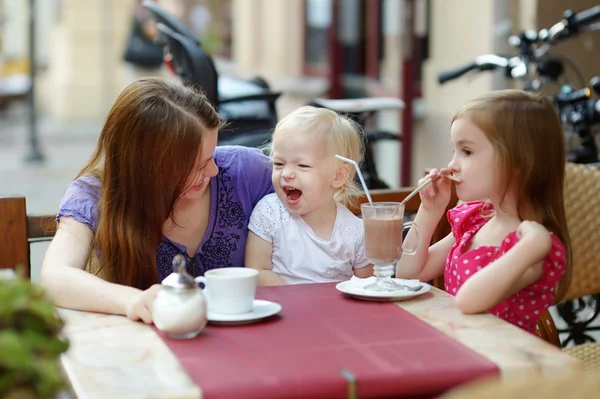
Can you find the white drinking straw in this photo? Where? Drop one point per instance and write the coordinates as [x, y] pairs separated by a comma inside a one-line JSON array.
[[360, 176], [426, 182]]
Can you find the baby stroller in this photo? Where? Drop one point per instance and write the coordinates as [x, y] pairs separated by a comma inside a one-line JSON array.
[[249, 105]]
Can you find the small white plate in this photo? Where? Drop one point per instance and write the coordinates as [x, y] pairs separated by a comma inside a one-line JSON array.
[[260, 310], [356, 291]]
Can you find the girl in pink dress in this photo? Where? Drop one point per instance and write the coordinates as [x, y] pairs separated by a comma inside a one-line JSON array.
[[509, 249]]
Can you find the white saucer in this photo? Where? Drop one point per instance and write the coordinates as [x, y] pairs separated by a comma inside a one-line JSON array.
[[355, 290], [260, 310]]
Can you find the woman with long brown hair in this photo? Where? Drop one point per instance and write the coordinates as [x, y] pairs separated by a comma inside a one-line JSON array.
[[155, 187]]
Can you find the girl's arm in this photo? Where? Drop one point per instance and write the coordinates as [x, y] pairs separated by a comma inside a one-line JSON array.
[[436, 258], [428, 262], [519, 267], [69, 286], [259, 256]]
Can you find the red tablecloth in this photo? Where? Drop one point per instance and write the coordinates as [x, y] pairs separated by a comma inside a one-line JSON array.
[[302, 352]]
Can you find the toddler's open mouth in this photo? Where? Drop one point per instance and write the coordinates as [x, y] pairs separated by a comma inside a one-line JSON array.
[[292, 194]]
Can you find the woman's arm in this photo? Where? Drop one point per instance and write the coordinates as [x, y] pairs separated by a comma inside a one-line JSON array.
[[519, 267], [259, 256], [69, 286]]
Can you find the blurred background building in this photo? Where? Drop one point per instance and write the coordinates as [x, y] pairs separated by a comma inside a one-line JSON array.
[[306, 48]]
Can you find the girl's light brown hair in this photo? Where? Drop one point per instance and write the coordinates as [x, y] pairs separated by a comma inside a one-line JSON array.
[[529, 144], [147, 149], [342, 135]]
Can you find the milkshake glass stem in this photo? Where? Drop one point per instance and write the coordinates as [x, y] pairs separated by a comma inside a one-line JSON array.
[[383, 282]]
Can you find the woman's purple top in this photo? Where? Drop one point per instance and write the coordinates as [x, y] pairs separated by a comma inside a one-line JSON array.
[[244, 178]]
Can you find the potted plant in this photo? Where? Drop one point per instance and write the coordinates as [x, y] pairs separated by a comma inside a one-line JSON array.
[[30, 340]]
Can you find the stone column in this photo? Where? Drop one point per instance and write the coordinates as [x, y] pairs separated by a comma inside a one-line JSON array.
[[460, 30], [267, 38], [85, 61]]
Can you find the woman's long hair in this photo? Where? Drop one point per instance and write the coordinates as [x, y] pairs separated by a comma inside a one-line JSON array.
[[146, 152], [529, 144]]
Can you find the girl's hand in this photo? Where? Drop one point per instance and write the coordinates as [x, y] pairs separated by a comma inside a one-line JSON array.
[[537, 233], [140, 307], [436, 195]]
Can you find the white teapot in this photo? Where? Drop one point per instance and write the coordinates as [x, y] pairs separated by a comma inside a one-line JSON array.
[[179, 309]]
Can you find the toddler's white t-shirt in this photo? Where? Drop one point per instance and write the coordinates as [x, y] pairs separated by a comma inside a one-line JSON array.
[[299, 255]]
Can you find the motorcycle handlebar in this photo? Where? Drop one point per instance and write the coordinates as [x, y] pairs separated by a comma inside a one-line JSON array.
[[572, 97], [587, 16], [517, 66], [482, 63], [571, 23], [454, 73]]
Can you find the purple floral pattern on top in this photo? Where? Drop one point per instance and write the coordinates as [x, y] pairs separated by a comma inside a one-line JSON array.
[[244, 178]]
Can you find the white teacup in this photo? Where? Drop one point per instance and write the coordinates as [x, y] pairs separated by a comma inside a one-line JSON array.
[[230, 290]]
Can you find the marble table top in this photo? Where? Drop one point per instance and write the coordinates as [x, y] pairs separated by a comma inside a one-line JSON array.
[[111, 356]]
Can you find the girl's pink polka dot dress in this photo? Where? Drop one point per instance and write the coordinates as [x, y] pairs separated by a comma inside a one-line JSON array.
[[524, 308]]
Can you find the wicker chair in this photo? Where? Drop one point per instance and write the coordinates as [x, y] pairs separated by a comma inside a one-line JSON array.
[[582, 207], [574, 385]]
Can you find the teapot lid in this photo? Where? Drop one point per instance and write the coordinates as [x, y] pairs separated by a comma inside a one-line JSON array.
[[180, 279]]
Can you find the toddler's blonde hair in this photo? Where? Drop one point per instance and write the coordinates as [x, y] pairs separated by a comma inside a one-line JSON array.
[[343, 136]]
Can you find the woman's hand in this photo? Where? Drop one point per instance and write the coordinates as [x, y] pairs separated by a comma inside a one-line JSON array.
[[140, 307], [436, 195]]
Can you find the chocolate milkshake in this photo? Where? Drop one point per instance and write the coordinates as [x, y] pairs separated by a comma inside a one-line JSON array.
[[383, 240]]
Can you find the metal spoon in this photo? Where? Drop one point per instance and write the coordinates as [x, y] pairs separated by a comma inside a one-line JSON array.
[[413, 288]]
